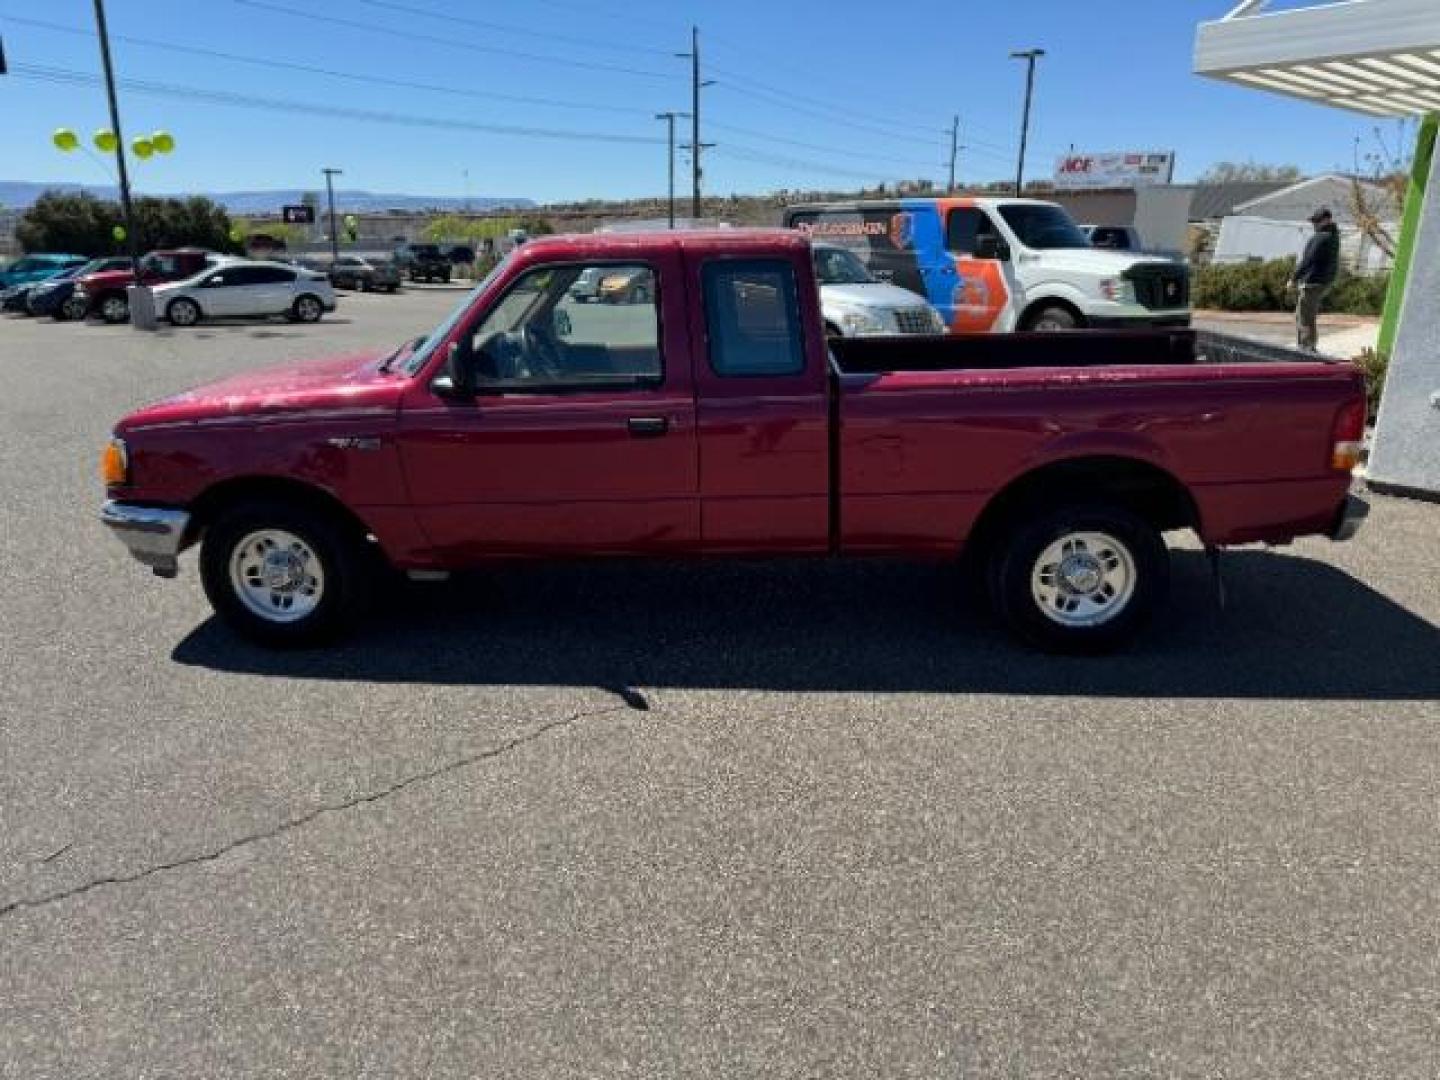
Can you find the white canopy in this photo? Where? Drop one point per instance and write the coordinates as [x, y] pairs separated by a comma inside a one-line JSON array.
[[1379, 57]]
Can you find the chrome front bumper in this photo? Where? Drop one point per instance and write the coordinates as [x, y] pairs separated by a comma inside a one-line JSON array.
[[154, 535], [1352, 515]]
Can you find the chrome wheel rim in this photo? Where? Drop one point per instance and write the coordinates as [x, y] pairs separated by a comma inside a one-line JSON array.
[[182, 313], [1083, 579], [115, 309], [309, 309], [277, 575], [1050, 326]]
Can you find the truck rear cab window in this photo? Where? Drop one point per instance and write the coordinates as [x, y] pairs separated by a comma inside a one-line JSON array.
[[752, 318]]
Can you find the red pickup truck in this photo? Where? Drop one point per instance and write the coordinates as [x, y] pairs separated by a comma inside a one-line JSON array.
[[708, 414]]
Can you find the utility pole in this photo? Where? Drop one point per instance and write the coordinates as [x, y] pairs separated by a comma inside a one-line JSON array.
[[669, 118], [954, 149], [696, 85], [330, 192], [1029, 56], [131, 240]]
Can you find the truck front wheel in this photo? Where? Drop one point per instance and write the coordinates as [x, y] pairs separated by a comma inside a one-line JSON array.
[[1082, 578], [1053, 318], [283, 574]]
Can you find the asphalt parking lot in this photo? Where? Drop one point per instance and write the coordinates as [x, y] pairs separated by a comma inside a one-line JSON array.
[[761, 819]]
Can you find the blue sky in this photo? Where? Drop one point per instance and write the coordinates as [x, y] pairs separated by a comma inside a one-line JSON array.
[[808, 94]]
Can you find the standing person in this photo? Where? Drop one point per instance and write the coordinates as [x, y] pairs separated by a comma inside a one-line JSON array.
[[1314, 274]]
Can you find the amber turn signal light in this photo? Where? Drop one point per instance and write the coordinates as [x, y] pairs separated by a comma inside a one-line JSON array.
[[114, 464]]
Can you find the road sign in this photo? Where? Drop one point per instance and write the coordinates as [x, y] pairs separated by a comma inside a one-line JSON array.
[[298, 215]]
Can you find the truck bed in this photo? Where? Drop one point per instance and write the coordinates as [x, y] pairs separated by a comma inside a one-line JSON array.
[[1085, 348]]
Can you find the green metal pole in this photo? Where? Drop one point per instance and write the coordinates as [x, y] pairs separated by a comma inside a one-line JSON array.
[[1409, 225]]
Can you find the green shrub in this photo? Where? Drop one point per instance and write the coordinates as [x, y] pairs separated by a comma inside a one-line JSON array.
[[1375, 365], [1260, 286], [1358, 294]]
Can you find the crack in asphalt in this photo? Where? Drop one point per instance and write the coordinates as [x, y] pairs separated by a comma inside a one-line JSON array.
[[326, 808]]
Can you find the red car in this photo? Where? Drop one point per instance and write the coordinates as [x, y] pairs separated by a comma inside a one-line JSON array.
[[715, 418], [104, 293]]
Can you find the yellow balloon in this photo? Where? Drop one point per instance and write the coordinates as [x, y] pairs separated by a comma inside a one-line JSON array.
[[163, 142], [64, 139], [105, 141], [236, 235], [142, 147]]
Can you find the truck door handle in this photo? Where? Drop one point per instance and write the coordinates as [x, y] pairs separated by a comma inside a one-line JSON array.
[[647, 427]]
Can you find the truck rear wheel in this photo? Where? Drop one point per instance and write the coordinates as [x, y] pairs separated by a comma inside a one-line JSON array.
[[283, 574], [1082, 578]]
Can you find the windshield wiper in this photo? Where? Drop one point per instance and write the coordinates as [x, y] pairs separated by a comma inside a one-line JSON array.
[[404, 345]]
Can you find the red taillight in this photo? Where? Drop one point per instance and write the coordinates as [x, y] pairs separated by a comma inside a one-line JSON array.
[[1347, 435]]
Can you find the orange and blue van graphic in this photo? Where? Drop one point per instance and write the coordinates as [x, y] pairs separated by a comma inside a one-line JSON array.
[[904, 242]]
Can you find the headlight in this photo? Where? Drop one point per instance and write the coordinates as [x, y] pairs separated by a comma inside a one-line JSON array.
[[115, 463], [1117, 289], [860, 321]]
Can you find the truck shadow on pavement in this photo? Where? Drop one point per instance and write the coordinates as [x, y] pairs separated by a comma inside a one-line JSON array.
[[1294, 628]]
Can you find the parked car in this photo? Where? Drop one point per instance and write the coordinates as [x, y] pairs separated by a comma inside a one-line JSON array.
[[55, 296], [29, 268], [362, 274], [461, 255], [854, 302], [241, 289], [998, 265], [619, 285], [104, 292], [423, 262], [717, 419], [586, 288]]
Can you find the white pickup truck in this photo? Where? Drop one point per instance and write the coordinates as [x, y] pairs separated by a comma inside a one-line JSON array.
[[999, 264]]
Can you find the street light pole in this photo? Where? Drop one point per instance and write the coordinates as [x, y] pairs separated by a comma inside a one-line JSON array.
[[1029, 56], [954, 150], [125, 208], [670, 118], [330, 194]]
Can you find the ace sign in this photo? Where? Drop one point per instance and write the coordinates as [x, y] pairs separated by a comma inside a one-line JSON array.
[[1129, 169], [298, 215]]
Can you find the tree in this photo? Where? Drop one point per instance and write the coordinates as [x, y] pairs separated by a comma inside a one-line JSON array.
[[81, 224], [74, 223], [1229, 172]]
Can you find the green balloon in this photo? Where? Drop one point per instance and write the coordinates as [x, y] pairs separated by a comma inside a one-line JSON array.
[[349, 219], [163, 142], [64, 139], [118, 232], [105, 141], [236, 235], [142, 147]]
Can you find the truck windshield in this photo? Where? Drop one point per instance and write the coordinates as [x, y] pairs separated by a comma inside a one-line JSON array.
[[440, 333], [1043, 227], [836, 266]]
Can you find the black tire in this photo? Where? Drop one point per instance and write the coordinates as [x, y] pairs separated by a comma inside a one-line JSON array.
[[113, 307], [1015, 576], [343, 561], [361, 285], [182, 311], [72, 308], [307, 308], [1053, 319]]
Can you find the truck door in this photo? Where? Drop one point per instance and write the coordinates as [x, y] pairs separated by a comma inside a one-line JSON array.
[[762, 403], [982, 292], [581, 439]]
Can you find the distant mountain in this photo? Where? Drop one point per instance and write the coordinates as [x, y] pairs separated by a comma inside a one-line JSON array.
[[20, 194]]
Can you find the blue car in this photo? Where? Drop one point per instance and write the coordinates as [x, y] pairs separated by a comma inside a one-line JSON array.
[[55, 296], [29, 268]]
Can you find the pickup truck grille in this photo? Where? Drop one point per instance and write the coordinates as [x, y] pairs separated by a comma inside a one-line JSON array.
[[1161, 285], [914, 320]]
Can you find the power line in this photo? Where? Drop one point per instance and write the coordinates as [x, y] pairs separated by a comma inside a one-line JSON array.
[[291, 106], [843, 111], [333, 73], [746, 153], [834, 150], [510, 28], [465, 46]]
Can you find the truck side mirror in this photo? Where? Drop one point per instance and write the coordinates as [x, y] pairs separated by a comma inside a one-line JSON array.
[[457, 380], [563, 326], [992, 247]]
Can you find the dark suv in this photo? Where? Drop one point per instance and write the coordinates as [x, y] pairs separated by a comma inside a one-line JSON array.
[[423, 262]]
